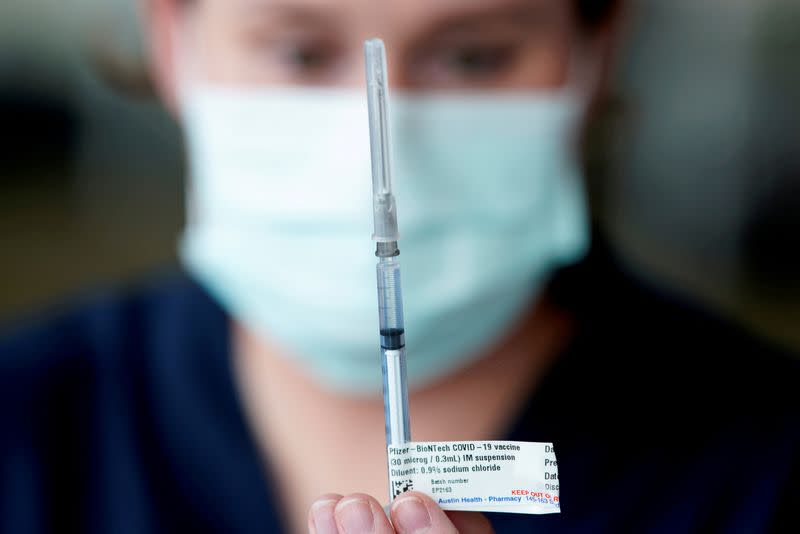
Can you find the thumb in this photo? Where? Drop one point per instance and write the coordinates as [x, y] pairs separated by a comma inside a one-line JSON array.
[[414, 512]]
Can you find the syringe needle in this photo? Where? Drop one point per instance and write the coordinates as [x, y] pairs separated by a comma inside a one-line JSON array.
[[384, 212]]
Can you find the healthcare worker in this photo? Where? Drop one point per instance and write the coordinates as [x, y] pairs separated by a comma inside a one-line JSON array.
[[243, 394]]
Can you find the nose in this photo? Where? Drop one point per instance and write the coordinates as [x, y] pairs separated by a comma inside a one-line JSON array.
[[398, 75]]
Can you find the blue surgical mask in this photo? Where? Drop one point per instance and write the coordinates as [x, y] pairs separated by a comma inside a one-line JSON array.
[[491, 203]]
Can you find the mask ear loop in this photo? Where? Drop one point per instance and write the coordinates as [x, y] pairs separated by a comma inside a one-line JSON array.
[[583, 75], [185, 66], [184, 63], [583, 78]]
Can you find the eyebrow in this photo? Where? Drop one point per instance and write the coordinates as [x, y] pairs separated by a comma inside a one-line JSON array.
[[520, 13], [292, 13]]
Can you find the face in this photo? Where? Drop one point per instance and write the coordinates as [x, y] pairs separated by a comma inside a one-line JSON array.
[[431, 44], [271, 179]]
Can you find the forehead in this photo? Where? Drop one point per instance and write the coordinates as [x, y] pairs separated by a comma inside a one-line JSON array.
[[389, 16]]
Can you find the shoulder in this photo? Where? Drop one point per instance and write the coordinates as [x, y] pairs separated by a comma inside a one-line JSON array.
[[683, 361], [116, 330], [125, 401], [656, 335], [674, 400]]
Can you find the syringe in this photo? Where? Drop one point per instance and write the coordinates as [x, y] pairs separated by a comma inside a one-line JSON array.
[[390, 302]]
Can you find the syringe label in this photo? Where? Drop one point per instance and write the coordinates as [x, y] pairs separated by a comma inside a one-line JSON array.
[[479, 476]]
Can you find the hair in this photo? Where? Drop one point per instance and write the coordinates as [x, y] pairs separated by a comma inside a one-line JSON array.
[[592, 14]]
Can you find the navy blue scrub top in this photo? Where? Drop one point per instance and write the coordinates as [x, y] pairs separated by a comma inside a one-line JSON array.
[[121, 416]]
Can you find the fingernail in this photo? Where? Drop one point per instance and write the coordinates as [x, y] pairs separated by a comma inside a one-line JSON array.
[[322, 517], [355, 516], [411, 515]]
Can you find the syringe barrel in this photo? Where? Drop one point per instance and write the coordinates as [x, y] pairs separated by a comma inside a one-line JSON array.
[[392, 332], [390, 303]]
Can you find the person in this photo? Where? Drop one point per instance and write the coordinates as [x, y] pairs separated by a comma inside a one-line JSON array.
[[229, 396]]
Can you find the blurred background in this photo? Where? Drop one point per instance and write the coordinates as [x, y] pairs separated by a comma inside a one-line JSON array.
[[694, 169]]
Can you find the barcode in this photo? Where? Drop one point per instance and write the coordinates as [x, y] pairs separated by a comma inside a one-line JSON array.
[[401, 486]]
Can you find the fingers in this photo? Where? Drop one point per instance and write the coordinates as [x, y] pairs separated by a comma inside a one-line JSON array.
[[414, 513], [320, 516], [355, 514], [361, 514]]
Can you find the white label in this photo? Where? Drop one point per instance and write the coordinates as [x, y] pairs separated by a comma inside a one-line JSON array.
[[479, 476]]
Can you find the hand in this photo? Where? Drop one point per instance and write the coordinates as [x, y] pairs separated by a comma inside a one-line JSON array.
[[412, 512]]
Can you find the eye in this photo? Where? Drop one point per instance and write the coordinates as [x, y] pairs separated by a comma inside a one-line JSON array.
[[307, 57], [478, 60], [467, 63]]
